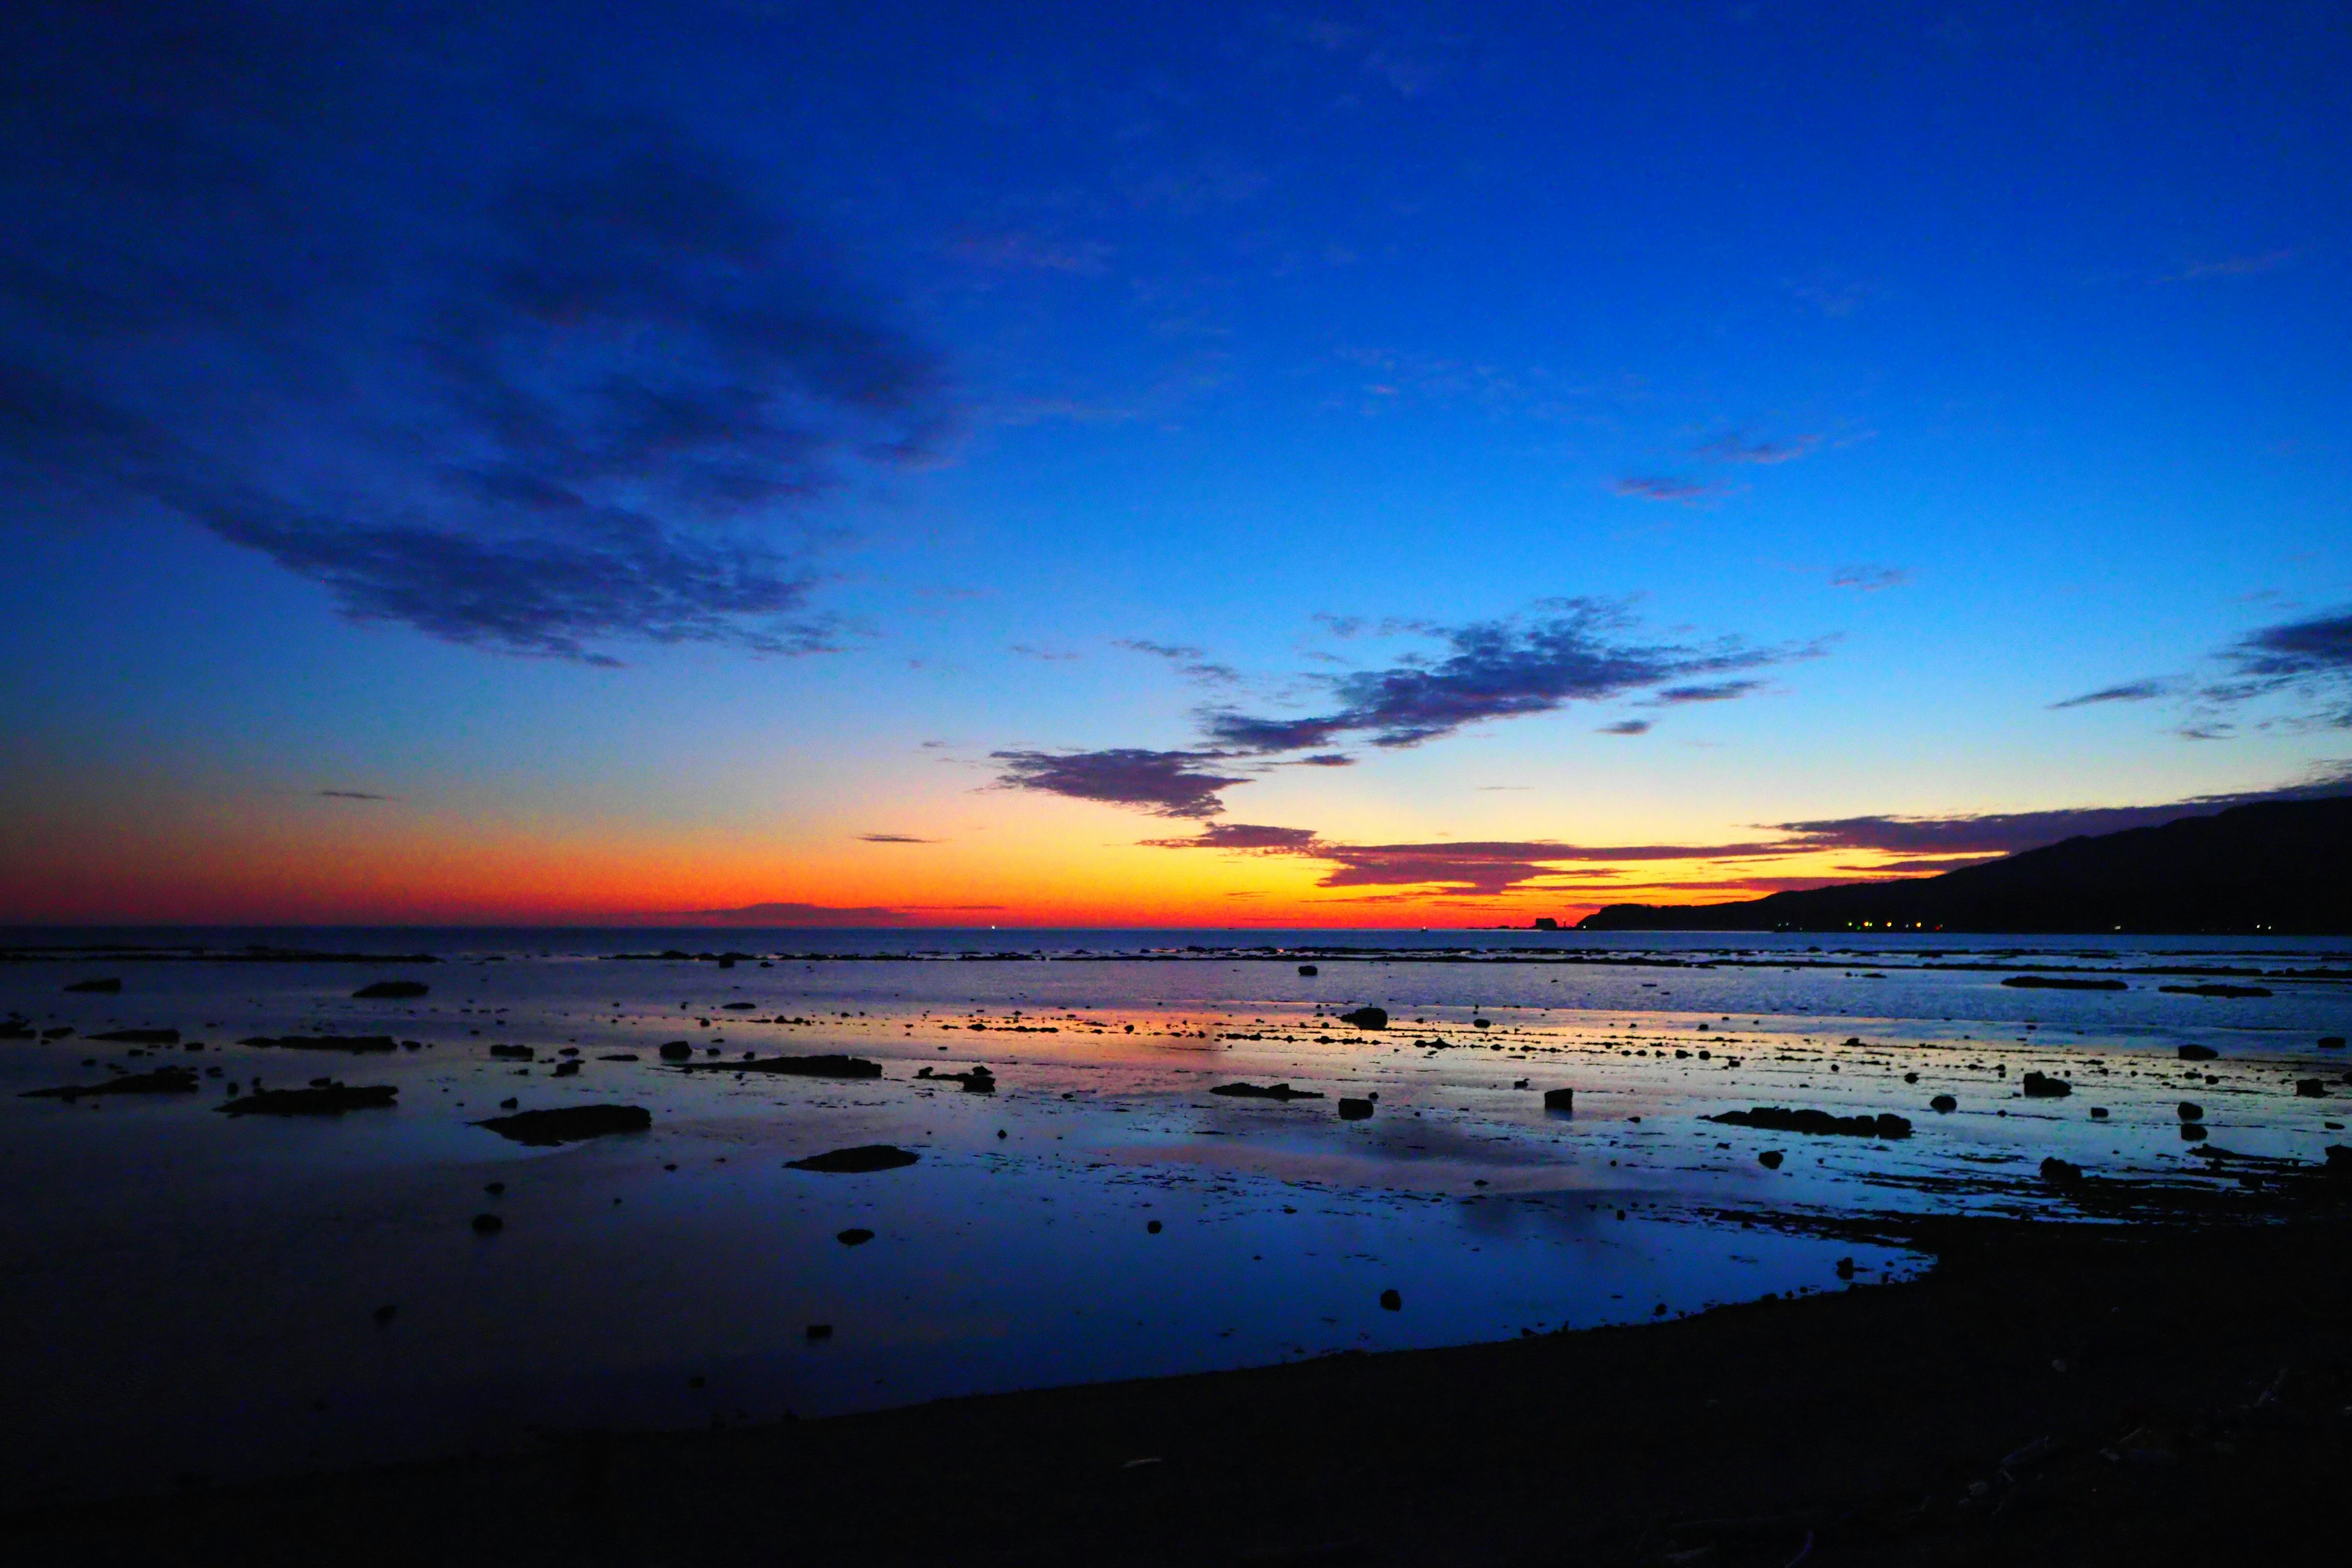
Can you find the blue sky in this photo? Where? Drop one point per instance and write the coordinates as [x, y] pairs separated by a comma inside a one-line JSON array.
[[655, 447]]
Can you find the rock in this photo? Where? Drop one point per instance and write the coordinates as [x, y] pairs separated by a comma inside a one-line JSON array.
[[2040, 1086], [2190, 1111], [98, 988], [569, 1124], [1355, 1109], [2339, 1157], [2197, 1053], [163, 1080], [1391, 1303], [2311, 1088], [738, 1006], [2061, 983], [386, 1313], [1367, 1017], [356, 1045], [566, 1070], [1151, 1228], [2061, 1173], [619, 1057], [509, 1104], [1308, 970], [1559, 1100], [2331, 1042], [2192, 1132], [140, 1037], [1780, 1118], [2212, 989], [323, 1100], [2098, 1113], [488, 1225], [1771, 1159], [390, 991], [816, 1332], [1910, 1077], [676, 1051], [853, 1237], [514, 1053], [494, 1188], [856, 1162], [1482, 1022], [1270, 1091], [977, 1080], [1943, 1102], [1845, 1267]]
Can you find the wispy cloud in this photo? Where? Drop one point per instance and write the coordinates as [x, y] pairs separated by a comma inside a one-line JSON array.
[[1485, 867], [1034, 253], [1713, 692], [1734, 448], [350, 795], [1664, 487], [1191, 662], [582, 391], [1166, 784], [2309, 659], [893, 839], [1869, 579], [1627, 727], [2009, 832], [2230, 266], [1495, 669], [2129, 691]]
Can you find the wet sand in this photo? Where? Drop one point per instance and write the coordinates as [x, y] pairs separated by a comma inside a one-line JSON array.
[[2172, 1390]]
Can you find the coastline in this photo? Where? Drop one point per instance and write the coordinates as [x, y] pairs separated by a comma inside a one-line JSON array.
[[2186, 1368]]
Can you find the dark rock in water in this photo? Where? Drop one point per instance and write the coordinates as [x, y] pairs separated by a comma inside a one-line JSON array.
[[1482, 1022], [494, 1188], [619, 1057], [163, 1080], [488, 1225], [1845, 1267], [1355, 1109], [514, 1053], [324, 1100], [816, 1332], [1151, 1228], [569, 1124], [2098, 1113], [2197, 1053], [676, 1051], [2339, 1157], [98, 988], [2191, 1111], [509, 1104], [2331, 1042], [390, 991], [738, 1006], [357, 1045], [1943, 1102], [18, 1029], [386, 1313], [2213, 989], [856, 1162], [2192, 1132], [567, 1069], [1910, 1077], [853, 1237], [2061, 983], [1367, 1017], [2311, 1088], [2061, 1173], [1309, 969], [1771, 1159], [978, 1080], [1267, 1091], [1559, 1100], [2040, 1086], [1782, 1119], [1391, 1302], [140, 1037]]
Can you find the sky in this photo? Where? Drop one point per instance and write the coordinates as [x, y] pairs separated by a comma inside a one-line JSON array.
[[1058, 465]]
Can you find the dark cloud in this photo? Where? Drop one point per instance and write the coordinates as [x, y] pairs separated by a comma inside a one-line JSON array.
[[1733, 449], [350, 795], [2007, 833], [1243, 836], [1496, 669], [892, 838], [1166, 784], [794, 914], [2130, 692], [1657, 487], [1710, 691], [480, 363], [2296, 650], [1325, 760], [1485, 867], [2230, 266], [1627, 727], [1869, 579]]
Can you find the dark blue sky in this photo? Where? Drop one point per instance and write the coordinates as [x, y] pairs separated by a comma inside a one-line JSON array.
[[655, 445]]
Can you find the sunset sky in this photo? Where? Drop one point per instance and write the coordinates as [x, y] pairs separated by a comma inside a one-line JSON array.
[[1152, 466]]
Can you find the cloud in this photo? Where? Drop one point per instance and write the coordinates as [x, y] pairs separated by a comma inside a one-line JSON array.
[[2006, 833], [1660, 488], [892, 838], [2130, 692], [1496, 669], [475, 361], [1731, 449], [2230, 266], [797, 914], [1869, 579], [1324, 760], [1035, 253], [1626, 727], [1165, 784], [1192, 663], [1485, 867], [2297, 649], [1713, 692], [1045, 655], [350, 795]]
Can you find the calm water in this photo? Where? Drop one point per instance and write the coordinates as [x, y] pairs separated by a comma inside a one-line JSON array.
[[193, 1293]]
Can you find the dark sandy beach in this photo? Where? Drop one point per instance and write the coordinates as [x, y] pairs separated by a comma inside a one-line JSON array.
[[2169, 1387]]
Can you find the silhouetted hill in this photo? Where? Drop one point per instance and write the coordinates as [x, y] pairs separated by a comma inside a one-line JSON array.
[[2275, 865]]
